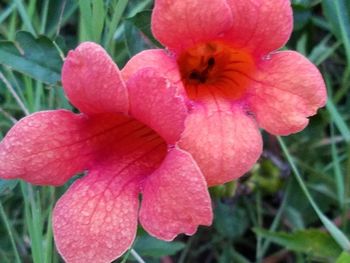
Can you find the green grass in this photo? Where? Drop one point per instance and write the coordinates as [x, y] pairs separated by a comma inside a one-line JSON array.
[[301, 183]]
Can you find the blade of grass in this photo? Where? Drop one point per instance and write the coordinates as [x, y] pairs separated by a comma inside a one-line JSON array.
[[31, 8], [338, 120], [38, 94], [323, 53], [142, 5], [344, 87], [186, 250], [112, 26], [258, 254], [27, 218], [11, 78], [29, 92], [86, 21], [126, 256], [347, 190], [45, 10], [339, 18], [5, 14], [25, 17], [9, 231], [137, 257], [33, 221], [50, 252], [344, 24], [36, 213], [12, 26], [339, 177], [56, 30], [65, 11], [336, 233], [48, 240], [98, 16], [8, 115], [14, 94], [276, 219]]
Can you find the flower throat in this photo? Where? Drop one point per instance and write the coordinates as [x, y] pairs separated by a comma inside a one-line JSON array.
[[215, 69]]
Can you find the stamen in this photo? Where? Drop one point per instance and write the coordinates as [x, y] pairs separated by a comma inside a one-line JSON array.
[[200, 77], [195, 75], [211, 62]]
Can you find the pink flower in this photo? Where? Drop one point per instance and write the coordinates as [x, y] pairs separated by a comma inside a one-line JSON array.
[[125, 138], [221, 56]]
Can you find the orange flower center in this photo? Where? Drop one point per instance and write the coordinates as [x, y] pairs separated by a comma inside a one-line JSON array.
[[215, 69]]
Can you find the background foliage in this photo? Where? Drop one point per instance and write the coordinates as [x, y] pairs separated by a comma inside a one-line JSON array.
[[292, 207]]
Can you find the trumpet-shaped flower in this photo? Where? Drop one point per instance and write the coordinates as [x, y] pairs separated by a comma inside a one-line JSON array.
[[221, 55], [125, 138]]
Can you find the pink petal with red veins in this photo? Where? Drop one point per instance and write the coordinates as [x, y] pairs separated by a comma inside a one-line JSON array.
[[45, 148], [223, 139], [260, 25], [175, 198], [50, 147], [96, 219], [182, 24], [153, 100], [158, 59], [287, 90], [92, 81]]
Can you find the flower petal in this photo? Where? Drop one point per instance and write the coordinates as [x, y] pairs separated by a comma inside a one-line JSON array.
[[153, 100], [260, 25], [158, 59], [175, 198], [182, 24], [287, 90], [223, 139], [96, 219], [92, 81], [41, 148], [50, 147]]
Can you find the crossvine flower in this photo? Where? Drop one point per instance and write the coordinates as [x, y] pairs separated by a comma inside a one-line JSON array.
[[125, 139], [221, 55]]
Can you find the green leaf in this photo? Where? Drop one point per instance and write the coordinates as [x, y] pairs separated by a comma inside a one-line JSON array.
[[7, 185], [344, 258], [336, 233], [311, 241], [230, 222], [302, 16], [305, 3], [142, 21], [137, 32], [134, 39], [35, 57], [152, 247]]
